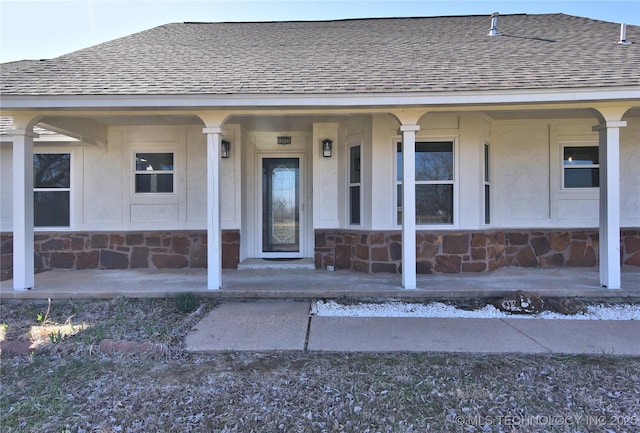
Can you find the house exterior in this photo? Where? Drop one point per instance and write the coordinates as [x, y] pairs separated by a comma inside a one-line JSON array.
[[403, 145]]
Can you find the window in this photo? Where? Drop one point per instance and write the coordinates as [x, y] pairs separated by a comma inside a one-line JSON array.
[[154, 173], [581, 166], [354, 185], [51, 189], [434, 183], [487, 186]]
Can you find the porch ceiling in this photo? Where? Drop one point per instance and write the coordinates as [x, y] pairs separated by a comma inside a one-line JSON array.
[[147, 119], [577, 113], [285, 122], [282, 123], [295, 122]]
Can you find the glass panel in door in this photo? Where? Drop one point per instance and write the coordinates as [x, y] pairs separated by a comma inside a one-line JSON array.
[[281, 206]]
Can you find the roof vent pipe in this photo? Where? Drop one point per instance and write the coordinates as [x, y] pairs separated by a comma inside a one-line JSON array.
[[623, 35], [494, 25]]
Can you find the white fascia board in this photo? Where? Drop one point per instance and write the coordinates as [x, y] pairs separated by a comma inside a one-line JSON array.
[[9, 102]]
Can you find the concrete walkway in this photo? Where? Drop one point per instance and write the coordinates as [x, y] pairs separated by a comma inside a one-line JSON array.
[[287, 284], [272, 325]]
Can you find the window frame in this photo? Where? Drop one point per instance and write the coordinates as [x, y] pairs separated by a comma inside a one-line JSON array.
[[454, 181], [135, 172], [351, 185], [70, 190], [563, 167], [487, 182]]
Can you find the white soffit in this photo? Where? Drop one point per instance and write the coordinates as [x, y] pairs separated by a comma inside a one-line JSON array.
[[324, 101]]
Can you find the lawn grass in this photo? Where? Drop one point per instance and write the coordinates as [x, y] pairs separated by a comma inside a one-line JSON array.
[[310, 392], [68, 390]]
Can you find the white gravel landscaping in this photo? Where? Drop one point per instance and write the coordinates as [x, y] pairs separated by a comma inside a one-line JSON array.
[[439, 309]]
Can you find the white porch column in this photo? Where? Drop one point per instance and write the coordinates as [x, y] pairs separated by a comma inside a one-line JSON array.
[[609, 249], [214, 231], [409, 205], [23, 265]]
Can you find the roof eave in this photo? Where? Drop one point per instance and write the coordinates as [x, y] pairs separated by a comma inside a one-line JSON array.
[[454, 98]]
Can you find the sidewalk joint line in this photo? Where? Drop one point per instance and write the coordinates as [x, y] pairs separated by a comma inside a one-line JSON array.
[[306, 338], [529, 337]]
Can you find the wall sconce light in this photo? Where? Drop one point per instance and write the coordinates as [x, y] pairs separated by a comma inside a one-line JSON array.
[[327, 147], [225, 149]]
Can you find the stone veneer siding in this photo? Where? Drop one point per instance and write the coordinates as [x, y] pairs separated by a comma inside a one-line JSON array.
[[122, 250], [467, 251]]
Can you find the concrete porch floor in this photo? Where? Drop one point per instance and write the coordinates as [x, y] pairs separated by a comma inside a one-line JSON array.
[[317, 284]]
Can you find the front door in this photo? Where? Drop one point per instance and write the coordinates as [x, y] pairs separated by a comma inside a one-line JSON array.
[[281, 199]]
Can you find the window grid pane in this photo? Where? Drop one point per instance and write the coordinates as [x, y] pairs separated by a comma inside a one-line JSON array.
[[354, 205], [51, 170], [581, 155], [354, 164], [486, 163], [434, 204], [150, 183], [399, 204], [154, 161], [487, 204], [434, 161], [581, 177], [51, 209]]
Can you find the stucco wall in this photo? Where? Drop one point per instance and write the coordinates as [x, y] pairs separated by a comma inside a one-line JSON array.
[[630, 173], [525, 175], [527, 169], [6, 182], [102, 194]]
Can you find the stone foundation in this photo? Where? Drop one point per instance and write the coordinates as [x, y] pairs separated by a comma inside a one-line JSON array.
[[122, 250], [465, 251], [360, 251]]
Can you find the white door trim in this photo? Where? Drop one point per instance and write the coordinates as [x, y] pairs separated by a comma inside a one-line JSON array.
[[301, 156]]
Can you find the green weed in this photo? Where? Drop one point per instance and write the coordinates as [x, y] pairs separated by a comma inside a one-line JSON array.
[[186, 302], [56, 337]]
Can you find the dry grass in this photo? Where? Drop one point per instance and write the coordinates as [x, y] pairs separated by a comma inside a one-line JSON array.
[[76, 390]]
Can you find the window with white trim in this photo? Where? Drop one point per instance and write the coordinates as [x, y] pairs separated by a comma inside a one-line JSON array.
[[52, 189], [154, 172], [434, 182], [355, 178], [487, 186], [580, 166]]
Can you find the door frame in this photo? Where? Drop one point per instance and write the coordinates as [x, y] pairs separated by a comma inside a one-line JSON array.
[[302, 211]]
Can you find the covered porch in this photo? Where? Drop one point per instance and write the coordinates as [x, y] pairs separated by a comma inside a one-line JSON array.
[[374, 130], [247, 284]]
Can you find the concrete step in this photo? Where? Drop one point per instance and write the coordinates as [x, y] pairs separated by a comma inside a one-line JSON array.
[[262, 264]]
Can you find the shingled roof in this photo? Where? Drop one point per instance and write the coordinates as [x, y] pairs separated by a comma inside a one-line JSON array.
[[367, 56]]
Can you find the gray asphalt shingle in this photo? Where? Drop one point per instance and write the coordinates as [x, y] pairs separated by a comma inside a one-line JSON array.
[[391, 55]]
